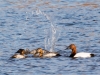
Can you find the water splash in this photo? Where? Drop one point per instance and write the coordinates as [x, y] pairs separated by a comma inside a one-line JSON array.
[[51, 38]]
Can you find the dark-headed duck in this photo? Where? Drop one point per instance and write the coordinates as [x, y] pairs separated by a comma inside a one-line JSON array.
[[20, 53]]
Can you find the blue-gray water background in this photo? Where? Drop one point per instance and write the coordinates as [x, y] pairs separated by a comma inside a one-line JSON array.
[[52, 25]]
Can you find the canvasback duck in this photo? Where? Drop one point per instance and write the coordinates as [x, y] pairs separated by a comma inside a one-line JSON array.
[[81, 54], [20, 53], [35, 52], [44, 53]]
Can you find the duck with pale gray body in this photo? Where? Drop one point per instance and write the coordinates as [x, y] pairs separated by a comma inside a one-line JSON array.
[[44, 53], [35, 52], [81, 54]]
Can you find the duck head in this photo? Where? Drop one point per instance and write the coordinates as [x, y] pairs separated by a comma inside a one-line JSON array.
[[21, 51], [40, 51], [73, 48]]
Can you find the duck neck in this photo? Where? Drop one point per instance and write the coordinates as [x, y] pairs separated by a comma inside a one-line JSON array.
[[41, 54], [22, 53], [73, 52]]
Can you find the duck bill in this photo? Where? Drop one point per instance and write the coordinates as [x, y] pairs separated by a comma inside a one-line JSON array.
[[67, 47], [17, 52]]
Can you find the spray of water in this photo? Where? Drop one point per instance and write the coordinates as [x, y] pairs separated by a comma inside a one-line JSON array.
[[51, 38]]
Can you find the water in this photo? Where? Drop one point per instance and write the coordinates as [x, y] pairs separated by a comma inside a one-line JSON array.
[[32, 23]]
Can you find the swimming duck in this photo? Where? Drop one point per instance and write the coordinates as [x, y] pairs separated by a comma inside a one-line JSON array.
[[81, 54], [20, 53], [27, 51], [44, 53], [35, 52]]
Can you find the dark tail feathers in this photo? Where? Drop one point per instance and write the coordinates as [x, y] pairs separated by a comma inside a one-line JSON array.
[[92, 55]]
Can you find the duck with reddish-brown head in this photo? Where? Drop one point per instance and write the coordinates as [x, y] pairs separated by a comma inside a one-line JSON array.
[[81, 54], [44, 53]]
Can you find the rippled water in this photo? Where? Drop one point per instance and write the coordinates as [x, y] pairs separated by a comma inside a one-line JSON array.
[[53, 25]]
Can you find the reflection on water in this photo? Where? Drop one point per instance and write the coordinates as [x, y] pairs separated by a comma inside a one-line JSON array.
[[33, 4], [91, 5], [52, 25]]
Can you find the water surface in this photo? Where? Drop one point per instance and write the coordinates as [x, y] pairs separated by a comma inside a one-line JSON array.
[[52, 25]]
